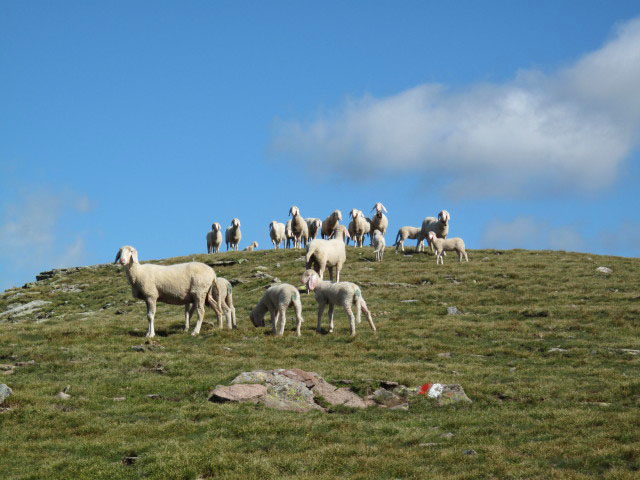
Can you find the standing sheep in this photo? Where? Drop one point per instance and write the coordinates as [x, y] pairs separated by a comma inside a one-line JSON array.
[[288, 235], [379, 220], [314, 225], [298, 226], [277, 233], [233, 235], [406, 232], [358, 227], [214, 238], [224, 297], [322, 254], [440, 226], [329, 223], [276, 300], [189, 284], [448, 244], [346, 294], [340, 232], [378, 245]]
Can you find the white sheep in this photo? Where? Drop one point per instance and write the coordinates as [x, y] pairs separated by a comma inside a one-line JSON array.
[[276, 300], [346, 294], [440, 226], [314, 225], [403, 234], [288, 235], [233, 235], [298, 227], [251, 247], [322, 254], [189, 284], [358, 227], [224, 297], [379, 220], [329, 223], [441, 245], [340, 232], [277, 233], [378, 245], [214, 238]]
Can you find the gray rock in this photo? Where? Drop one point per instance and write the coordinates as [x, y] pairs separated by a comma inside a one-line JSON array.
[[448, 394], [469, 452], [242, 260], [408, 301], [389, 385], [237, 393], [5, 392], [557, 349], [453, 311], [19, 310], [386, 398], [606, 270], [447, 435], [261, 267], [445, 355]]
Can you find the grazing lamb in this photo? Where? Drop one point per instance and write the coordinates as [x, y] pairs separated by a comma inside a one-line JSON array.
[[329, 223], [277, 233], [189, 284], [276, 300], [314, 225], [233, 235], [448, 244], [224, 297], [406, 232], [298, 226], [346, 294], [340, 232], [214, 238], [440, 226], [378, 245], [251, 247], [379, 220], [323, 254]]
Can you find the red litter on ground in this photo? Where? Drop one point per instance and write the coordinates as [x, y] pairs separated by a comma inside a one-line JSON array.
[[424, 388]]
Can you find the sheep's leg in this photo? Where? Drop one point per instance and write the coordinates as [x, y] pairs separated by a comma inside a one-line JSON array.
[[274, 320], [331, 308], [189, 310], [283, 318], [363, 307], [297, 306], [320, 312], [200, 305], [330, 273], [151, 313], [338, 268], [352, 318]]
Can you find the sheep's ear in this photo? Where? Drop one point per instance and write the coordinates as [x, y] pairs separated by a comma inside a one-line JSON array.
[[118, 256], [383, 208], [134, 255], [313, 281]]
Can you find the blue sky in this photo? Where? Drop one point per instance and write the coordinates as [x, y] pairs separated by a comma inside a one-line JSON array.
[[142, 123]]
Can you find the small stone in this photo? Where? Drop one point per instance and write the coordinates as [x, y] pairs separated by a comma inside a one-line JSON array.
[[402, 406], [8, 372], [118, 399], [431, 444], [557, 349], [154, 396], [447, 435], [469, 452], [277, 265], [453, 311], [129, 459], [630, 351], [389, 385], [120, 312], [5, 392], [606, 270], [242, 260], [63, 396], [445, 355], [24, 364], [275, 280], [386, 398], [261, 267], [228, 349], [4, 366], [237, 393], [408, 301]]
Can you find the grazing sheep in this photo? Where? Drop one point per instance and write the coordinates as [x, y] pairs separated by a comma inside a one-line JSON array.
[[214, 238], [314, 225], [252, 246], [449, 244], [440, 226], [298, 226], [276, 300], [340, 232], [329, 223], [346, 294], [189, 284], [378, 245], [379, 220], [224, 297], [323, 254], [233, 235], [406, 232], [277, 233]]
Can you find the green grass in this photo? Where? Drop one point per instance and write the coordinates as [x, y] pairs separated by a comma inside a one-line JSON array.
[[535, 413]]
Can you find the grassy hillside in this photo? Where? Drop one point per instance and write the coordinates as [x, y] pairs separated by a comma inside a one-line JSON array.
[[537, 412]]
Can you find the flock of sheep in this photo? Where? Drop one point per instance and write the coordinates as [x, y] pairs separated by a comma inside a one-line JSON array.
[[195, 284]]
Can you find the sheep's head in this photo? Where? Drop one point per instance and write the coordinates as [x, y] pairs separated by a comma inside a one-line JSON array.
[[255, 244], [431, 235], [355, 213], [216, 226], [235, 223], [293, 211], [256, 318], [337, 214], [310, 278], [444, 217], [126, 255], [379, 207]]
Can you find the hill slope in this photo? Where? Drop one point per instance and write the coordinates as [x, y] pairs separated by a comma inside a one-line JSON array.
[[537, 412]]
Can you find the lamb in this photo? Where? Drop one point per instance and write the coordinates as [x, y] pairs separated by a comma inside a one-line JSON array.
[[298, 226], [214, 238], [251, 247], [276, 300], [379, 220], [323, 254], [340, 232], [406, 232], [358, 227], [439, 226], [314, 225], [329, 223], [277, 233], [378, 245], [224, 297], [233, 235], [346, 294], [449, 244], [189, 284]]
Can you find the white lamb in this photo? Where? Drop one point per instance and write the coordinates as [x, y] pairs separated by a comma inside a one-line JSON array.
[[252, 246], [346, 294], [224, 297], [277, 233], [233, 235], [276, 300], [404, 233], [378, 245], [189, 284], [441, 245], [322, 254], [329, 223], [214, 238], [440, 226]]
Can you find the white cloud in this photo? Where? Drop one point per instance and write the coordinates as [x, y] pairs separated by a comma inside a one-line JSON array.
[[570, 129], [531, 233]]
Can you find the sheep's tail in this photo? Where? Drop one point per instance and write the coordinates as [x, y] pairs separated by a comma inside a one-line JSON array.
[[211, 301]]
